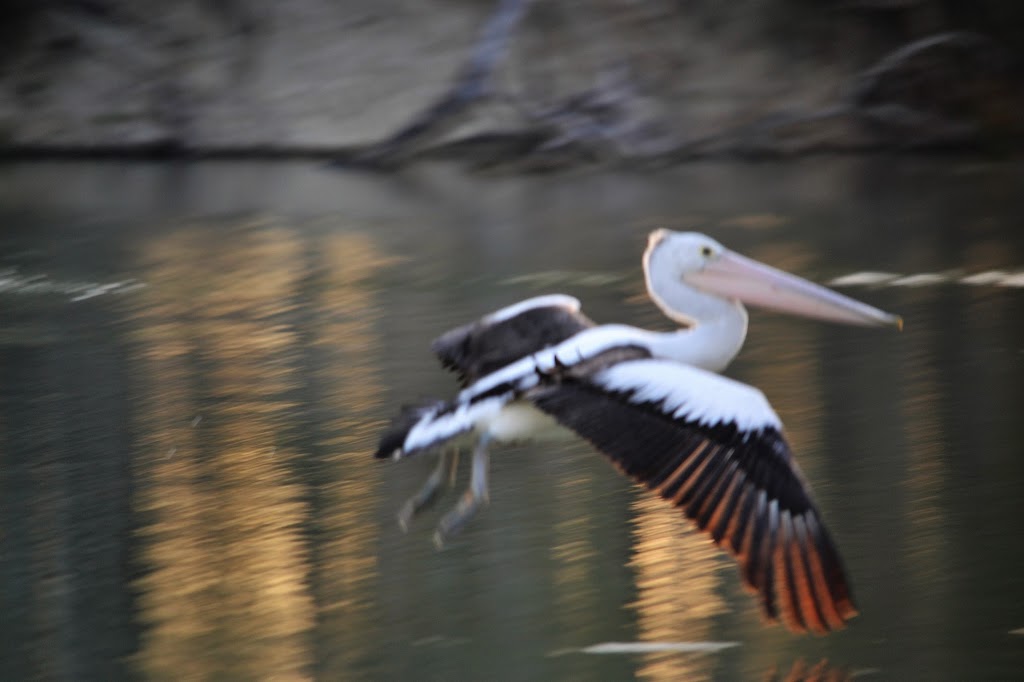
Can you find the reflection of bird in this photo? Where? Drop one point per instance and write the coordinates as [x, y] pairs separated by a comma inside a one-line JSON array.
[[822, 671], [650, 401]]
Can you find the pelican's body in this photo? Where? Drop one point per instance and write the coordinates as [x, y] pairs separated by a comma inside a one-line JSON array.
[[651, 401]]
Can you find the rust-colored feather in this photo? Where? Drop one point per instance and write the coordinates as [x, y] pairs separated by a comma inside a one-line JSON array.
[[833, 620], [788, 598], [808, 600]]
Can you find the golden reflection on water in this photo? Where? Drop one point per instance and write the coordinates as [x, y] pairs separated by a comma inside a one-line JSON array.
[[677, 582], [230, 589], [350, 390], [574, 553], [802, 671]]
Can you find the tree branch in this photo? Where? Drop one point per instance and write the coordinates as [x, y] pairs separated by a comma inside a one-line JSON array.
[[471, 84]]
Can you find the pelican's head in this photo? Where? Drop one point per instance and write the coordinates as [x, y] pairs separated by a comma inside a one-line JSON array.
[[699, 262]]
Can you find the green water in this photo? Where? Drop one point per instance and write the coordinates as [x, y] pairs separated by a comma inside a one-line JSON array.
[[196, 359]]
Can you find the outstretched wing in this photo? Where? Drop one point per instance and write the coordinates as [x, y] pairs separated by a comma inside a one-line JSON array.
[[479, 348], [713, 447]]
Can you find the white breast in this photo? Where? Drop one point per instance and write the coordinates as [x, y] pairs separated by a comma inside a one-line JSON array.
[[520, 421]]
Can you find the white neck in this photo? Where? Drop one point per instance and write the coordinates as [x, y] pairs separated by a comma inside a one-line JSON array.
[[715, 327]]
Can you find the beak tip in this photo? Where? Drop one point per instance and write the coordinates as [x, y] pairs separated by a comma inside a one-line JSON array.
[[899, 323]]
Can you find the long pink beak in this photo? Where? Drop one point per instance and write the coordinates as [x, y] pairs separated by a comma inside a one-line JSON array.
[[734, 276]]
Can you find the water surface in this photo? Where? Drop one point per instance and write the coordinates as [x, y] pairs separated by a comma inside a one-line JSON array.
[[196, 359]]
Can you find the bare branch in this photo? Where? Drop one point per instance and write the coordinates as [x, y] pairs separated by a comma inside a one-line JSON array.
[[471, 84]]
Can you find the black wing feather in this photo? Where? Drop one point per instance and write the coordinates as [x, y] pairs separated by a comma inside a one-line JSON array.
[[397, 431], [682, 461], [479, 348]]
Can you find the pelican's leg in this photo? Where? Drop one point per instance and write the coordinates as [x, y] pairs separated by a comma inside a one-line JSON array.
[[471, 500], [445, 470]]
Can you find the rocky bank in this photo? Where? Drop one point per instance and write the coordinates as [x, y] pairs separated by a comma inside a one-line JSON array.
[[610, 78]]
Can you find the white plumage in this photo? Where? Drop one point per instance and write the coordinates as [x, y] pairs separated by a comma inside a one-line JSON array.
[[547, 301], [691, 394], [443, 422]]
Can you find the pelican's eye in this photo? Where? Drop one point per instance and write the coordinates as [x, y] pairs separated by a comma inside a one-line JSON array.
[[706, 251]]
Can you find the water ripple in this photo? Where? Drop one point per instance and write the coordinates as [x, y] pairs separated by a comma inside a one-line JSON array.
[[11, 282], [995, 278]]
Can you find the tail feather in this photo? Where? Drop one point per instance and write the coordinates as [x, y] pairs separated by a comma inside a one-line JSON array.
[[421, 428], [393, 438]]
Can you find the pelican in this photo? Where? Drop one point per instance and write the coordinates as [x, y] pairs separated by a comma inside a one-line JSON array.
[[654, 404]]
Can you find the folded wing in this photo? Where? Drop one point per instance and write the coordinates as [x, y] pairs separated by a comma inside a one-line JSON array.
[[713, 447], [499, 339]]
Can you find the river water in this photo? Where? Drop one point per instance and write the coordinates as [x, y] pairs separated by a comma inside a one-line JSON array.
[[196, 360]]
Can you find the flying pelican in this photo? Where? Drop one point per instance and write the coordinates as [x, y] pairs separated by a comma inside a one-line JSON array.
[[653, 403]]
